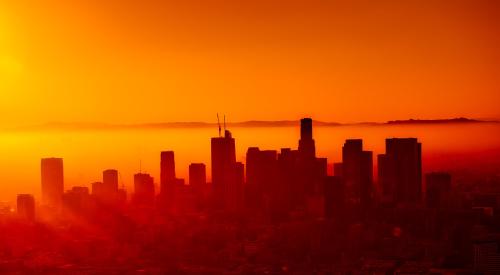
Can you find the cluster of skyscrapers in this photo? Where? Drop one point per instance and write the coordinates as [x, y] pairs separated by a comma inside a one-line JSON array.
[[289, 186], [275, 184]]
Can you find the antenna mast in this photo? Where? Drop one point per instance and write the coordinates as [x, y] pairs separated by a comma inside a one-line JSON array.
[[218, 124], [224, 123]]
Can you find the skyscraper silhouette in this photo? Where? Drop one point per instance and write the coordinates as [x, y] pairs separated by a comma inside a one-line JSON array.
[[198, 183], [357, 172], [110, 180], [307, 147], [167, 172], [223, 158], [400, 171], [310, 171], [52, 181], [262, 178], [77, 200]]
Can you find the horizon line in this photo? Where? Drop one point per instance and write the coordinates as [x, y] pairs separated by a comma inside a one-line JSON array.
[[54, 126]]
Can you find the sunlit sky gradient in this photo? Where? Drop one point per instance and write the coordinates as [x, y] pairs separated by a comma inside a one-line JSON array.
[[124, 61]]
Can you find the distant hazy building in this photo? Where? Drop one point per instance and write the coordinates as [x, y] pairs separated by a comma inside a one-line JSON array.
[[52, 181], [98, 189], [110, 180], [77, 200], [197, 175], [26, 206], [144, 189]]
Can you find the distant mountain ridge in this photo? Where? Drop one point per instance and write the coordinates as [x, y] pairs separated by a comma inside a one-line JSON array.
[[249, 124], [437, 121]]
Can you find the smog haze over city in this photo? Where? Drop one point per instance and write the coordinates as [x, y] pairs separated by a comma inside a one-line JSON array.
[[249, 137]]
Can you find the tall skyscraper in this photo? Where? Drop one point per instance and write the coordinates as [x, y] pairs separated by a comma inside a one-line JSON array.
[[110, 180], [167, 173], [26, 206], [198, 183], [400, 171], [223, 157], [52, 181], [357, 166], [307, 147], [262, 177], [310, 170]]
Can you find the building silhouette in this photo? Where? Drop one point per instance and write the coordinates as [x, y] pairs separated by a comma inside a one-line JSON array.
[[307, 148], [98, 190], [110, 180], [357, 172], [77, 200], [167, 175], [52, 181], [198, 184], [400, 171], [223, 158], [26, 206], [262, 178], [144, 189], [108, 191]]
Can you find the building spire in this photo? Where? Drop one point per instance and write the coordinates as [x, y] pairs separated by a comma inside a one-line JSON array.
[[218, 124]]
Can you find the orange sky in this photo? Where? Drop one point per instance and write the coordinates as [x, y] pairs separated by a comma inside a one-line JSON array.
[[126, 61]]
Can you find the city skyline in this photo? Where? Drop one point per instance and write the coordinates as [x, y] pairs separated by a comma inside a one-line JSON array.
[[250, 137], [357, 170], [273, 188], [81, 170]]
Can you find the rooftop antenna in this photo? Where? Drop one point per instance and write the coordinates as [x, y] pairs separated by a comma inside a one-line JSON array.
[[218, 123], [140, 165], [224, 123]]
